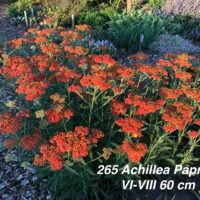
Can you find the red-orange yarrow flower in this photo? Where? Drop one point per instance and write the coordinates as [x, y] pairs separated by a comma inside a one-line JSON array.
[[134, 151], [9, 124], [130, 126]]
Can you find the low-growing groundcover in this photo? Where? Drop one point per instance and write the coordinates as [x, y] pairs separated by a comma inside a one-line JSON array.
[[76, 108]]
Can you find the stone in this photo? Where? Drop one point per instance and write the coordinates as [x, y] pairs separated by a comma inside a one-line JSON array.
[[2, 185], [24, 182], [5, 196], [32, 170], [20, 177], [48, 197], [34, 178]]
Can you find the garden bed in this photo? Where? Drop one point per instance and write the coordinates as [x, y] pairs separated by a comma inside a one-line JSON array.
[[79, 106], [75, 107]]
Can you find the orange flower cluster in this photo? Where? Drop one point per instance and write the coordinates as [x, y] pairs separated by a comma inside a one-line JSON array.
[[170, 93], [185, 110], [64, 74], [96, 80], [135, 151], [78, 50], [40, 62], [74, 88], [32, 86], [176, 61], [83, 61], [139, 56], [119, 108], [15, 66], [185, 76], [104, 59], [83, 27], [144, 106], [45, 32], [197, 122], [38, 161], [124, 72], [77, 142], [174, 122], [96, 135], [70, 35], [50, 48], [57, 98], [29, 142], [193, 134], [164, 63], [192, 93], [41, 39], [182, 60], [177, 116], [51, 154], [49, 20], [31, 30], [130, 126], [18, 42], [9, 124], [155, 72], [57, 113]]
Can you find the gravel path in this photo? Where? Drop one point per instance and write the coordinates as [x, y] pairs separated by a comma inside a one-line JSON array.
[[17, 182], [8, 29]]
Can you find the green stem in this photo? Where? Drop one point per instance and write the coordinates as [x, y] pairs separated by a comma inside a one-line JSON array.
[[153, 147], [63, 121], [92, 105], [108, 101], [179, 141], [94, 159], [180, 138], [139, 81], [82, 98], [188, 153]]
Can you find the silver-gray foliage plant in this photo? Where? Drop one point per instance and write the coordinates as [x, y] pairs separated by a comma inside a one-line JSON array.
[[167, 43]]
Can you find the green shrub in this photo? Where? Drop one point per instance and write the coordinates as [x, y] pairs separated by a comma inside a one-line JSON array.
[[156, 3], [185, 26], [93, 18], [109, 11], [124, 30], [12, 1], [98, 18], [118, 3], [18, 8], [61, 11]]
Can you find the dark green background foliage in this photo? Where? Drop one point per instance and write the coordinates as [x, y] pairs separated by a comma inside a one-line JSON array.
[[125, 30], [156, 3], [98, 18]]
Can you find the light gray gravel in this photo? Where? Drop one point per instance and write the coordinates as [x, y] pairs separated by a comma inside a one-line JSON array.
[[17, 183]]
